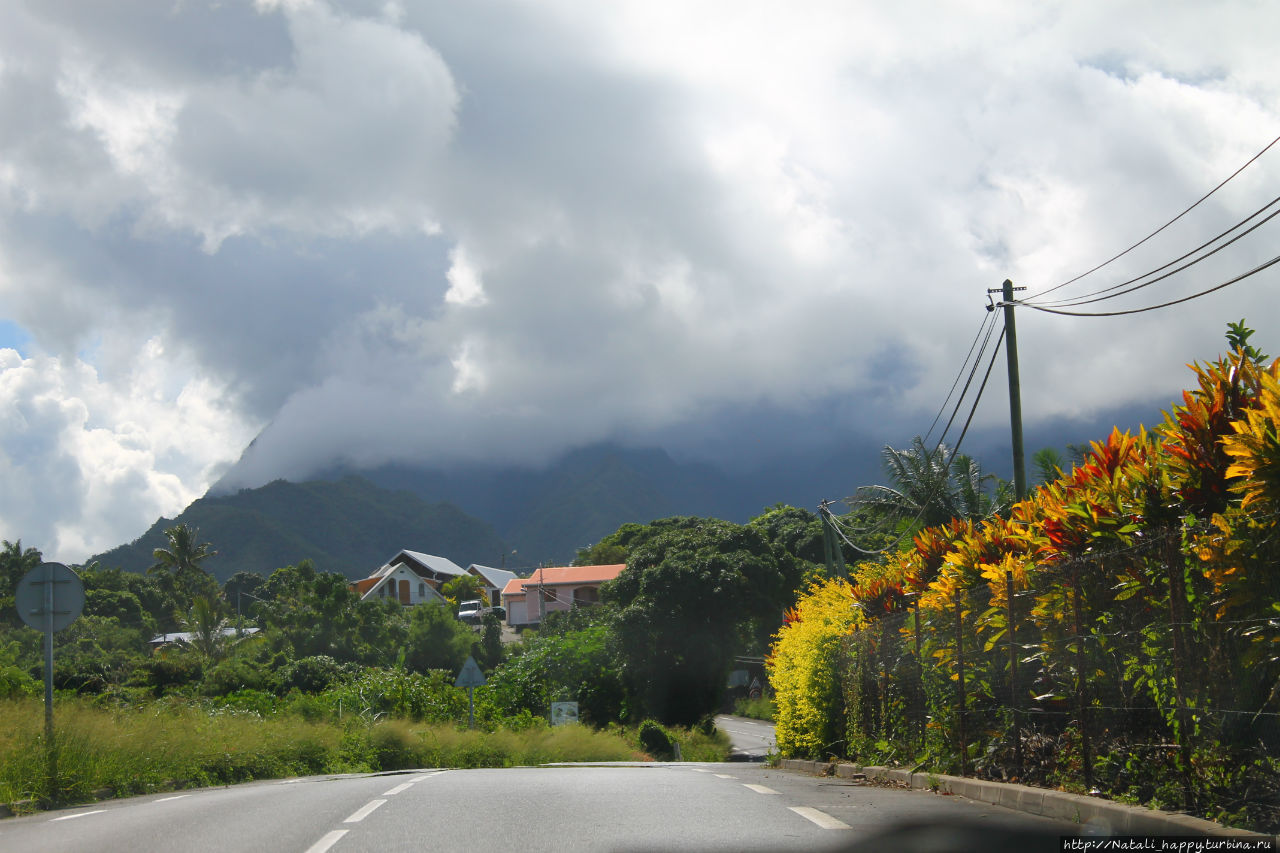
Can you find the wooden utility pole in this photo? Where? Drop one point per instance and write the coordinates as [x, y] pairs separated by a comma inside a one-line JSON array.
[[1015, 388]]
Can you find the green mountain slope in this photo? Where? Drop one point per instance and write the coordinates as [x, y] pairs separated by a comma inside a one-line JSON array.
[[349, 526]]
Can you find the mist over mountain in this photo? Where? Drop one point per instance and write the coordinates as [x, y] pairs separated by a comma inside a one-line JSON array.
[[350, 526], [350, 519]]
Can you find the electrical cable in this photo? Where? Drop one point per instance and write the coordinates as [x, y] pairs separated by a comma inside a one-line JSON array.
[[1086, 299], [1162, 227], [986, 319], [1205, 292], [940, 482]]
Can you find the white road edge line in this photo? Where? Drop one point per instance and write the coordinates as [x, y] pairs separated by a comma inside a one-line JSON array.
[[78, 814], [364, 811], [328, 841], [398, 788], [761, 789], [167, 799], [822, 819]]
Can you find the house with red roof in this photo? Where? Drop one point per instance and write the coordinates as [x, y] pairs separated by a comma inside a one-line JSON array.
[[527, 600]]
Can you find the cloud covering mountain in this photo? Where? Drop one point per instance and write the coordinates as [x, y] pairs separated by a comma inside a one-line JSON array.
[[441, 233]]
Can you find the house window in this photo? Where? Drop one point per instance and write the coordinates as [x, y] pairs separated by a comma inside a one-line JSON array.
[[404, 591], [548, 594], [586, 595], [422, 590]]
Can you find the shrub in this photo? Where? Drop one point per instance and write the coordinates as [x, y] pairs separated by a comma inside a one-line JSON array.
[[655, 740]]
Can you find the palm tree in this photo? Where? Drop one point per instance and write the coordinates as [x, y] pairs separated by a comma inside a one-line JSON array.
[[14, 563], [179, 565], [206, 623], [930, 487]]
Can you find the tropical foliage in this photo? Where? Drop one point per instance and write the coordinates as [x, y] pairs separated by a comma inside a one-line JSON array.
[[1118, 629]]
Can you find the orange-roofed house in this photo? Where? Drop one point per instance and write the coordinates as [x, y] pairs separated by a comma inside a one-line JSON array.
[[551, 589]]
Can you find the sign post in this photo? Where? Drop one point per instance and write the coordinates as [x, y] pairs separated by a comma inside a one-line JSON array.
[[49, 598], [471, 677]]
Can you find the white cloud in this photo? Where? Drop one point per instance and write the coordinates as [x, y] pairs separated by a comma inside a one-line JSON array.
[[493, 230], [84, 460]]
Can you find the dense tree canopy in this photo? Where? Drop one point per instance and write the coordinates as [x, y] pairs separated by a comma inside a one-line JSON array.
[[695, 592]]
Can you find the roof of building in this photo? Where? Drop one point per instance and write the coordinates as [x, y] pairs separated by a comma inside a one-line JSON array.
[[187, 636], [417, 562], [564, 576], [553, 575], [497, 578]]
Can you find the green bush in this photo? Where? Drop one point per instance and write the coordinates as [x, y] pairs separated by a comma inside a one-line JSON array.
[[655, 740], [312, 674], [236, 674], [14, 683]]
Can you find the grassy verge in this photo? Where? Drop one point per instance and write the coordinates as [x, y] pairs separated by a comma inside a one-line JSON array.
[[120, 752], [758, 709]]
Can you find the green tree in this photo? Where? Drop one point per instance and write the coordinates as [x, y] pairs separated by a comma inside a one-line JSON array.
[[241, 591], [795, 535], [179, 566], [206, 622], [1049, 465], [612, 549], [317, 613], [462, 588], [437, 640], [15, 561], [575, 665], [695, 592]]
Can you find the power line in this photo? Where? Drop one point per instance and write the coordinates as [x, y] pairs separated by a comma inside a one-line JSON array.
[[1162, 227], [986, 319], [1205, 292], [941, 482], [1086, 299]]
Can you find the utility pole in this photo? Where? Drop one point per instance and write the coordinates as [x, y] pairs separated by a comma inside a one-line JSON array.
[[1015, 387]]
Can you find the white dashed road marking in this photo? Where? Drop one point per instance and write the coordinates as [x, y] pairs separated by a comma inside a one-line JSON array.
[[364, 811], [761, 789], [725, 776], [822, 819], [78, 814], [328, 841], [398, 788]]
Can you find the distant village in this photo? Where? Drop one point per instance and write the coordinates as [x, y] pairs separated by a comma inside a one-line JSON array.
[[413, 578]]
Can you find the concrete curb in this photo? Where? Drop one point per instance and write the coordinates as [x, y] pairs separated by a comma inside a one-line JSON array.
[[1103, 815]]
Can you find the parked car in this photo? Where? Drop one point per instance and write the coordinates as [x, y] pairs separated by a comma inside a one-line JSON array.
[[472, 611]]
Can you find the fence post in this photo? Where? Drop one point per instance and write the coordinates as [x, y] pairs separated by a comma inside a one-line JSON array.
[[1177, 618], [964, 745], [1013, 675], [920, 708], [1086, 760]]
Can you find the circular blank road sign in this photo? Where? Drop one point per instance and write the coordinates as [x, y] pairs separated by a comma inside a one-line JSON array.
[[68, 596]]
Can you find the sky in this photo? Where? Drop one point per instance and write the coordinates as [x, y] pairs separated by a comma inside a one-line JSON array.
[[444, 232]]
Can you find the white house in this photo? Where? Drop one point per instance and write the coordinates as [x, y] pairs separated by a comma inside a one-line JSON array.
[[410, 577]]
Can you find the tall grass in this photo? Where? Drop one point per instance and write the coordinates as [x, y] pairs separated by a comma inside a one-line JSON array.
[[167, 746]]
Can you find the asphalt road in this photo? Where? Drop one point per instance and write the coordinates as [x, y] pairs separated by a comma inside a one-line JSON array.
[[752, 739], [623, 807]]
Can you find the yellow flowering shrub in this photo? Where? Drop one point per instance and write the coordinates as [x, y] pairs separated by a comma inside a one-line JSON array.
[[804, 668]]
